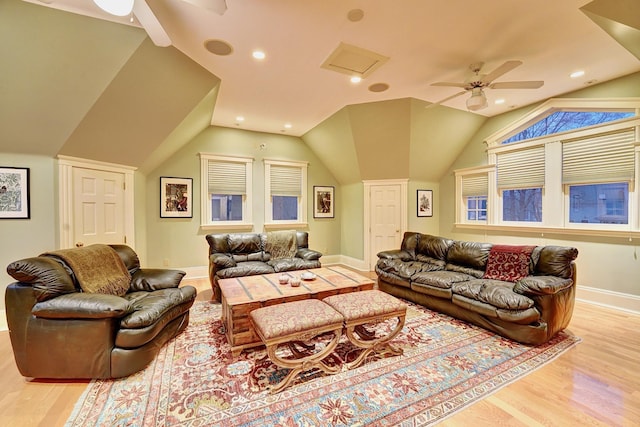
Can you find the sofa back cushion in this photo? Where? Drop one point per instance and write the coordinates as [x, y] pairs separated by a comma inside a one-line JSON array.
[[218, 243], [433, 246], [410, 242], [244, 243], [556, 261], [471, 255]]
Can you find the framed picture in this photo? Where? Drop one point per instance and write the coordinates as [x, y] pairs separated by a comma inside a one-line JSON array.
[[425, 203], [14, 193], [176, 197], [323, 202]]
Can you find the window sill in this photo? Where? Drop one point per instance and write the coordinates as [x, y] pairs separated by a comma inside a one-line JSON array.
[[285, 225], [231, 226], [541, 231]]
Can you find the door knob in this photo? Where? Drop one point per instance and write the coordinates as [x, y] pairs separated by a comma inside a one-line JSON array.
[[79, 244]]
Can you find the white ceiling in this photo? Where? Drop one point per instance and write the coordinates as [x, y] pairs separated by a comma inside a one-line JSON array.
[[426, 41]]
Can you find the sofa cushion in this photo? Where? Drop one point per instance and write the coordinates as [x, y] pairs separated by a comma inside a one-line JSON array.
[[244, 243], [469, 254], [522, 317], [508, 263], [248, 268], [148, 307], [542, 285], [440, 279], [392, 278], [290, 264], [556, 261], [493, 292], [404, 269], [465, 270], [434, 264], [433, 246]]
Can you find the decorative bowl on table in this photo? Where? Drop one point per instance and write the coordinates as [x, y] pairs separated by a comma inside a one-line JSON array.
[[294, 282], [307, 275], [283, 279]]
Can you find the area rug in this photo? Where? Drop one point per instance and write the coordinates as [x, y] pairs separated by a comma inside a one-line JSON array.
[[447, 365]]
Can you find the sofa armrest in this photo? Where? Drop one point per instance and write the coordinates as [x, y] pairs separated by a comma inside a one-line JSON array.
[[308, 254], [83, 306], [395, 254], [222, 260], [153, 279], [541, 285]]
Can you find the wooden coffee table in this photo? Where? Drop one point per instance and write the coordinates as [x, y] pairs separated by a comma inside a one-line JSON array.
[[241, 295]]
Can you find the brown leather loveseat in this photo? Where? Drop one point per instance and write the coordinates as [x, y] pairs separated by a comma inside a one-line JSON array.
[[525, 293], [59, 329], [246, 254]]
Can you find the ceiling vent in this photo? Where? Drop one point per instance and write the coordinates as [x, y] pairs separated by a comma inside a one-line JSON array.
[[353, 60]]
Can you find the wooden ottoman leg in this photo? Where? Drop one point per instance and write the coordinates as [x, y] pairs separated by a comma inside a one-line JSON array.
[[293, 324], [369, 307]]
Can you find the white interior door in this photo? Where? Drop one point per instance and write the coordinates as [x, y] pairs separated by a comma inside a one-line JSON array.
[[386, 219], [98, 207]]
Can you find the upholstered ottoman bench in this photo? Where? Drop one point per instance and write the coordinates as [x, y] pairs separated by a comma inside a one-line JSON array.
[[292, 324], [369, 307]]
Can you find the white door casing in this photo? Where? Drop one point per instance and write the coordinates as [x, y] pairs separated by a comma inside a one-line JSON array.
[[385, 217], [96, 202]]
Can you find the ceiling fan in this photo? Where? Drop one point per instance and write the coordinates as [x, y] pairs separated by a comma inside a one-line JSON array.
[[477, 82]]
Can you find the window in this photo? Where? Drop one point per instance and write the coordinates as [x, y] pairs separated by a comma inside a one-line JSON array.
[[573, 170], [226, 190], [285, 192], [474, 188]]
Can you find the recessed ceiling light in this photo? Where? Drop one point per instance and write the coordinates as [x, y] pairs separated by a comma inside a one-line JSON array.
[[258, 54], [239, 119], [356, 79], [577, 74], [499, 101], [287, 126]]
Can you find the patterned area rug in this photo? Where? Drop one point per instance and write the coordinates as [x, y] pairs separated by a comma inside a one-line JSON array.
[[447, 365]]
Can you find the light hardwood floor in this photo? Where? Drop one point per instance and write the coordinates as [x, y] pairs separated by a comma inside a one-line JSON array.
[[596, 383]]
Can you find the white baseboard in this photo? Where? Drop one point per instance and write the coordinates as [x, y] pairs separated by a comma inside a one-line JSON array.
[[616, 300], [3, 320]]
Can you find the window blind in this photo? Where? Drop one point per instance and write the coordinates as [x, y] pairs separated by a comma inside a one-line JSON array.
[[475, 185], [227, 177], [286, 181], [521, 168], [602, 158]]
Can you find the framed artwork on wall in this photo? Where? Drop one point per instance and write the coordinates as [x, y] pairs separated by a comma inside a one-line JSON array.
[[176, 197], [323, 202], [425, 202], [14, 193]]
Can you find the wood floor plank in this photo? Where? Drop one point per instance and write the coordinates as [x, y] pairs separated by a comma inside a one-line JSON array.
[[596, 383]]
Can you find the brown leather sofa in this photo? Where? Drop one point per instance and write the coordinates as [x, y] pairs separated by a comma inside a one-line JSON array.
[[246, 254], [59, 331], [452, 277]]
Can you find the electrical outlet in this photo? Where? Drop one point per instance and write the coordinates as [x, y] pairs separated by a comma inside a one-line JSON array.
[[166, 262]]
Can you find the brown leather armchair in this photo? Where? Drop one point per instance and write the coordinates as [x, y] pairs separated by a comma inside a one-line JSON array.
[[59, 331]]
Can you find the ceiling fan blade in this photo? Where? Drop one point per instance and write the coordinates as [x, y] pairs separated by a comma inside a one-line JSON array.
[[448, 84], [532, 84], [503, 69], [446, 99]]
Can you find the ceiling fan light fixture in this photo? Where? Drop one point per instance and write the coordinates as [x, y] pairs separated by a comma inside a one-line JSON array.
[[115, 7], [477, 100]]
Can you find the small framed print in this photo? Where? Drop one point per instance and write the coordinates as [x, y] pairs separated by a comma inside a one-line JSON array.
[[14, 193], [425, 203], [323, 202], [176, 197]]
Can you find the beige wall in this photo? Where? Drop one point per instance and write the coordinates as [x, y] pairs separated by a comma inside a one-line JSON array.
[[606, 264], [181, 242], [22, 238]]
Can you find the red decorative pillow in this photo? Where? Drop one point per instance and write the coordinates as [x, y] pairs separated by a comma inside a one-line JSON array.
[[508, 263]]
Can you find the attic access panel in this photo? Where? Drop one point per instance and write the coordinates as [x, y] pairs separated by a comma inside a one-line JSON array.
[[354, 60]]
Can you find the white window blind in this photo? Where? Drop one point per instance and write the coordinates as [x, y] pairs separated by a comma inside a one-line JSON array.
[[521, 168], [601, 158], [475, 185], [227, 177], [286, 181]]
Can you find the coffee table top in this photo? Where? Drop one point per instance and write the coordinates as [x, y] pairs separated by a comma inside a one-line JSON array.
[[246, 289]]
